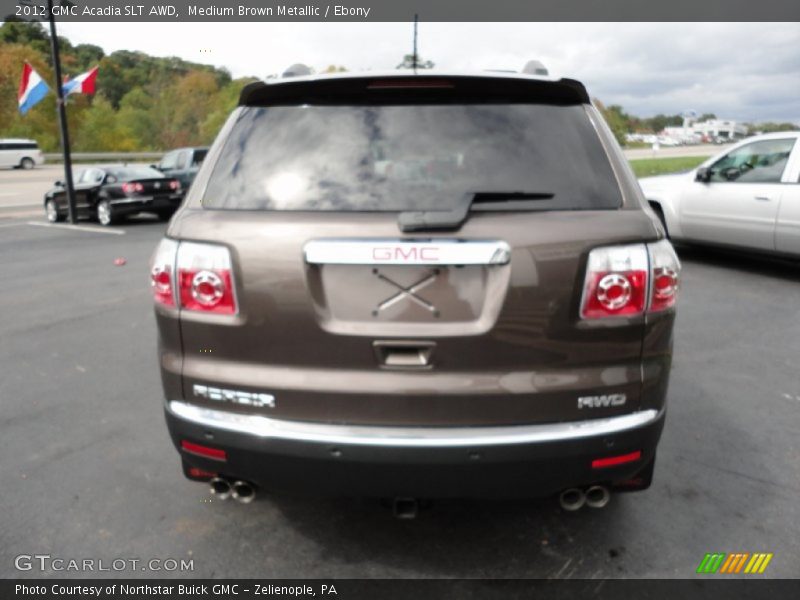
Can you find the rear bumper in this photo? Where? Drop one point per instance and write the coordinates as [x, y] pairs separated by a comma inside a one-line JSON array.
[[512, 461], [147, 203]]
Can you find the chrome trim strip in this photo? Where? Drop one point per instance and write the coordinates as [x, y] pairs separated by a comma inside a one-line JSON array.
[[408, 437], [447, 251]]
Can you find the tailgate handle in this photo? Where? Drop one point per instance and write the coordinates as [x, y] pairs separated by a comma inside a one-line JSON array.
[[404, 354]]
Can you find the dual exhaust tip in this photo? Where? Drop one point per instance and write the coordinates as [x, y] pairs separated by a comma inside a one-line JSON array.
[[596, 496], [242, 491]]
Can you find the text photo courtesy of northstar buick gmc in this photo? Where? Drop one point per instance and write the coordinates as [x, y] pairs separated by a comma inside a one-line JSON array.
[[398, 286]]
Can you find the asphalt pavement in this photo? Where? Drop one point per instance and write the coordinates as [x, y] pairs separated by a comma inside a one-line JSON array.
[[88, 471]]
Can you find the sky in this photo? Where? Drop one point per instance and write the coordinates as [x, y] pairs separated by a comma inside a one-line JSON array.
[[741, 71]]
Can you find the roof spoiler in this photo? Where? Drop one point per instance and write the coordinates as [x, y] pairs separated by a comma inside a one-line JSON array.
[[362, 89]]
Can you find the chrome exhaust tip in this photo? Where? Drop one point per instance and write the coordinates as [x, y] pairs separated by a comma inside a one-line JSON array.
[[597, 496], [572, 499], [243, 492], [220, 488]]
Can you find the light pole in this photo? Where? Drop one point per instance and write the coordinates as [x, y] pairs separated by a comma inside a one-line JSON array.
[[62, 115]]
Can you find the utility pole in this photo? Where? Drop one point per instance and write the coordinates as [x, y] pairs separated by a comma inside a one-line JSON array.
[[62, 116], [415, 59]]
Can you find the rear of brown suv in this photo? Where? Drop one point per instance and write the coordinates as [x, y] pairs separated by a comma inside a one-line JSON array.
[[416, 286]]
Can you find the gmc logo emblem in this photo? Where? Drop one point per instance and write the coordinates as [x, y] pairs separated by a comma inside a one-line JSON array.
[[406, 253]]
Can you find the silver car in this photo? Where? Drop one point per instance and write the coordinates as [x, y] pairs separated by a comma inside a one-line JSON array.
[[748, 197]]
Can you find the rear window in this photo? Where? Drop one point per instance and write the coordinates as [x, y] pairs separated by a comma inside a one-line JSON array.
[[417, 157], [199, 157], [132, 173], [18, 146]]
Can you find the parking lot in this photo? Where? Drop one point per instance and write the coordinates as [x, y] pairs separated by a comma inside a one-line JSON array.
[[89, 470]]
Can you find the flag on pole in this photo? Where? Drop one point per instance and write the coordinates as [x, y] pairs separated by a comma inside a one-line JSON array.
[[32, 89], [81, 84]]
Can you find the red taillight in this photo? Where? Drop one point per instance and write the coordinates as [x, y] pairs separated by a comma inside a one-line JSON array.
[[616, 282], [204, 451], [629, 280], [205, 282], [665, 268], [613, 461], [162, 268], [132, 188], [193, 276], [174, 184]]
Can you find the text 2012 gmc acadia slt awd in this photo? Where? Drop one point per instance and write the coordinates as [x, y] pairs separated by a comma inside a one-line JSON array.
[[414, 286]]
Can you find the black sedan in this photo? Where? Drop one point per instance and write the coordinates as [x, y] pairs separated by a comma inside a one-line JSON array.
[[112, 192]]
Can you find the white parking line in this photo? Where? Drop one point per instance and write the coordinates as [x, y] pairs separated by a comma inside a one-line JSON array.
[[78, 227]]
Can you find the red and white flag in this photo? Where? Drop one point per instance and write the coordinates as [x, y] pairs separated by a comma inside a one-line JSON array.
[[81, 84]]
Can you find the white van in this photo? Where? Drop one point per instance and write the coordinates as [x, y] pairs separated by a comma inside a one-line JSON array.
[[24, 154]]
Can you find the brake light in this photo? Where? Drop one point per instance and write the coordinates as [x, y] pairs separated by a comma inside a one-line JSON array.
[[629, 280], [616, 282], [205, 282], [665, 268], [132, 188], [162, 268], [174, 184], [412, 83]]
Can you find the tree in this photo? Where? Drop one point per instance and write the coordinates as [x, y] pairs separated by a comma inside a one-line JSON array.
[[101, 131], [33, 35], [410, 61], [616, 119]]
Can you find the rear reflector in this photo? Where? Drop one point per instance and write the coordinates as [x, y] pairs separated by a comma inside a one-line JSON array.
[[196, 473], [204, 451], [613, 461]]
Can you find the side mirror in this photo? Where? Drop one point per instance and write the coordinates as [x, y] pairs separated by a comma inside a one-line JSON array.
[[703, 175], [156, 167], [59, 183]]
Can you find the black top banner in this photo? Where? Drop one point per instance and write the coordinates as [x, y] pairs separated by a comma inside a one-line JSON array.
[[403, 10]]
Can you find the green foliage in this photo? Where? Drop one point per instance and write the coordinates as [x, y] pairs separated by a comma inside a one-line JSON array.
[[648, 167], [616, 118], [770, 127], [142, 102]]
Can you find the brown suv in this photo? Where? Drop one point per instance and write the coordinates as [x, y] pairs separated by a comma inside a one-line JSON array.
[[416, 286]]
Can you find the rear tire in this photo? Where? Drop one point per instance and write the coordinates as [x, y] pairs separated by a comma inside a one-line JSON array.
[[26, 163], [51, 210], [105, 213], [660, 214]]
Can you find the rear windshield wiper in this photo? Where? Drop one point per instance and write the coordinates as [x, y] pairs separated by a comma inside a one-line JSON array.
[[453, 219]]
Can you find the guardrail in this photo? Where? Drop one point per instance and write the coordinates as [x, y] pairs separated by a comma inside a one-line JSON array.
[[105, 156], [630, 153]]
